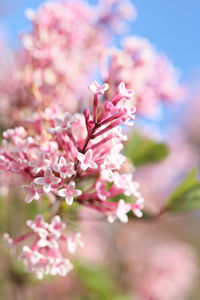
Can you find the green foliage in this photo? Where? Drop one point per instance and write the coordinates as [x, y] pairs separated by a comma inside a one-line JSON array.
[[1, 133], [141, 150], [97, 283], [37, 207], [187, 196], [17, 275]]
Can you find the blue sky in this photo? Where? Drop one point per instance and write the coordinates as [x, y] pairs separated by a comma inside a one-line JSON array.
[[173, 26]]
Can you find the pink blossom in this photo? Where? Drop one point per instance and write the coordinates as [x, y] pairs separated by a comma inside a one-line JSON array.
[[101, 190], [40, 164], [148, 72], [61, 267], [122, 210], [37, 224], [137, 207], [74, 243], [44, 256], [126, 183], [65, 169], [69, 193], [97, 89], [124, 92], [3, 163], [90, 149], [86, 160], [111, 163], [32, 193], [34, 261], [61, 125], [48, 180], [56, 226]]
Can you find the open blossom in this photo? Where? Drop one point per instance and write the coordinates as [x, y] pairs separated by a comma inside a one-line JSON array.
[[122, 210], [74, 243], [3, 163], [126, 93], [86, 160], [39, 163], [125, 182], [69, 193], [45, 256], [32, 192], [137, 207], [47, 181], [101, 190], [97, 89], [61, 125], [65, 169]]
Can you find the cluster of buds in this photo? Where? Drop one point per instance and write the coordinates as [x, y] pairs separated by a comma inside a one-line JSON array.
[[58, 155], [45, 256]]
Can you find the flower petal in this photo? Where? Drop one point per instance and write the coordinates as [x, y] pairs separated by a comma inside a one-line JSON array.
[[39, 180]]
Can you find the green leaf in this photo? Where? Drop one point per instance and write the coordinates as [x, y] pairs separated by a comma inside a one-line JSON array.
[[142, 150], [187, 196], [94, 280], [97, 283]]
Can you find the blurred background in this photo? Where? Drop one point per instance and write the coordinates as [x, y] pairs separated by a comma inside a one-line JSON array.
[[156, 259], [172, 27]]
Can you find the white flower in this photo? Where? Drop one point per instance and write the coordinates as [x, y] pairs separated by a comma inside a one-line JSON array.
[[122, 210], [69, 193], [40, 164], [61, 125], [86, 160], [48, 180], [65, 169], [74, 243], [98, 89], [32, 192]]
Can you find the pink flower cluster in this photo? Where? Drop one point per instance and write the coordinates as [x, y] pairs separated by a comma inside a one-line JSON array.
[[57, 155], [54, 154], [68, 44], [63, 47], [150, 74], [62, 34], [45, 256], [170, 272], [163, 266]]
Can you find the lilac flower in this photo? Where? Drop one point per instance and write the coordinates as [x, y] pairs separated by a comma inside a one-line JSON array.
[[32, 192], [97, 89], [61, 125], [40, 164], [44, 256], [86, 160], [65, 169], [74, 243], [48, 180], [69, 193], [122, 210], [137, 207]]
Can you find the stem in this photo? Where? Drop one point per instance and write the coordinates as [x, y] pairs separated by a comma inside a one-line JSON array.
[[95, 105], [57, 206]]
